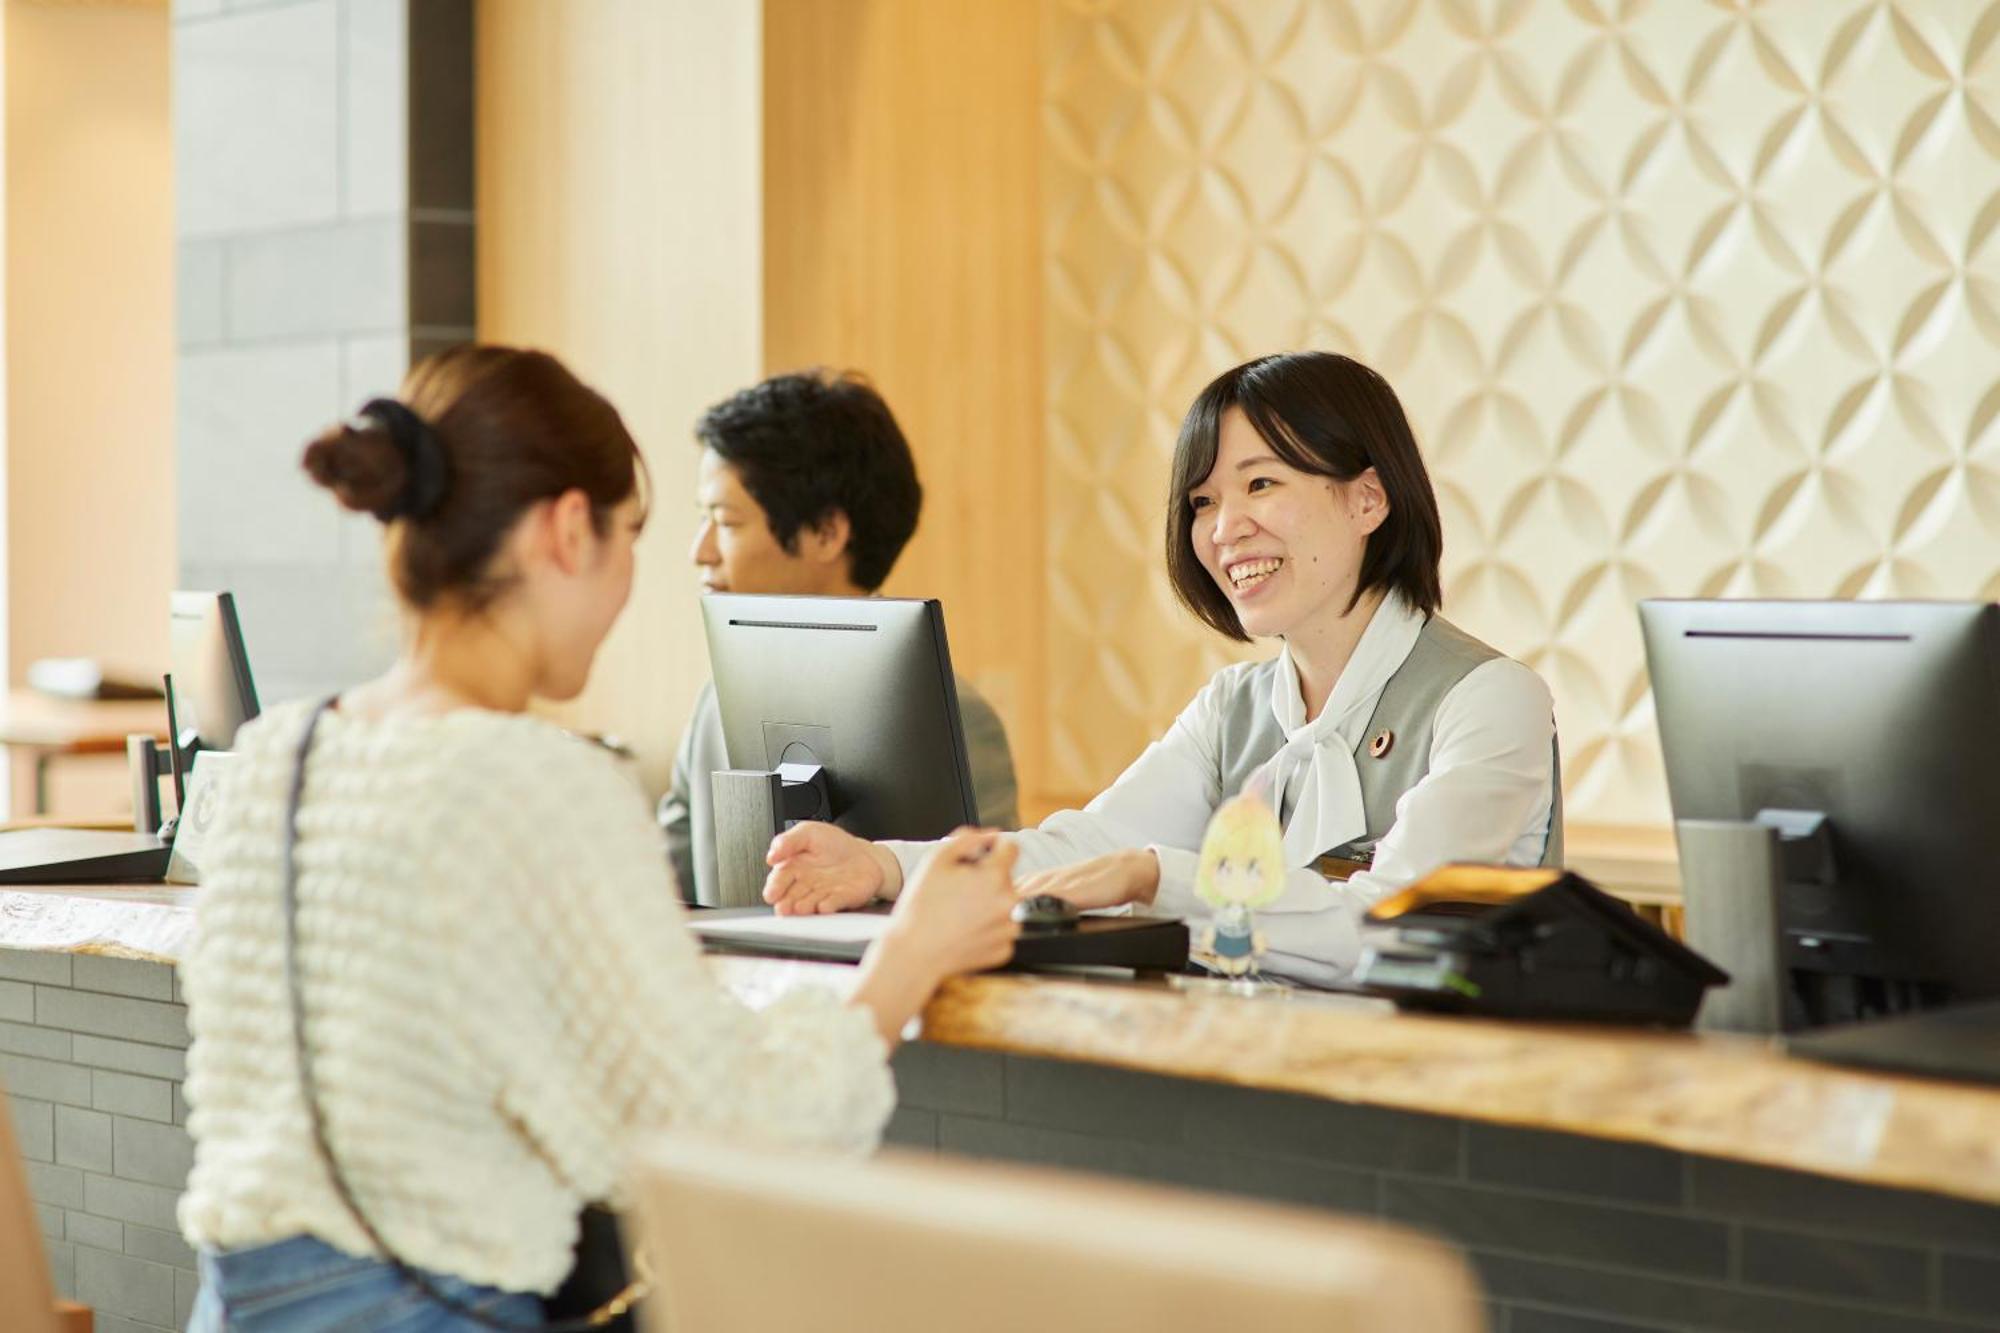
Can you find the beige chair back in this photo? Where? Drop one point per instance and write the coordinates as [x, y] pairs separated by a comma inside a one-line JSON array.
[[27, 1301], [765, 1240]]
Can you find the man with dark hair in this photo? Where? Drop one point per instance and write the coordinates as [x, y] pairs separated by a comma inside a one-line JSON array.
[[807, 487]]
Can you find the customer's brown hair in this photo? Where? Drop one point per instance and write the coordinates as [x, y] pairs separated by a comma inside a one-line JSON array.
[[477, 435], [1331, 416]]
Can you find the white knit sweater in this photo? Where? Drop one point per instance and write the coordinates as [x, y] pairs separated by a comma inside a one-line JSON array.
[[500, 991]]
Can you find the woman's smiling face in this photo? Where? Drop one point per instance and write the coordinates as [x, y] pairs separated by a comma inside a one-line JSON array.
[[1284, 546]]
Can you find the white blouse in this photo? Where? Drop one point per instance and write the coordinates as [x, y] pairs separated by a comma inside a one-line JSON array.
[[1487, 796], [501, 993]]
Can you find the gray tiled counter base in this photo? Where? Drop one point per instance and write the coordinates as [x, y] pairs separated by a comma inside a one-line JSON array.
[[1570, 1234], [92, 1054]]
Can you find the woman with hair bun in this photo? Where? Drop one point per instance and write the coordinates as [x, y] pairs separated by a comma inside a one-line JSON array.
[[495, 989]]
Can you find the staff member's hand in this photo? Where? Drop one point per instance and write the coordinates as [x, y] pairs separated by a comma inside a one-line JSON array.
[[816, 867], [1111, 880]]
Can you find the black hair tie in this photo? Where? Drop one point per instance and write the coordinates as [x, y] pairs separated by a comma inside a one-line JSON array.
[[426, 467]]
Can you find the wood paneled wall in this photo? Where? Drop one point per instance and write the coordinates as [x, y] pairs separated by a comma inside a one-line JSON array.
[[902, 238], [618, 197], [88, 305]]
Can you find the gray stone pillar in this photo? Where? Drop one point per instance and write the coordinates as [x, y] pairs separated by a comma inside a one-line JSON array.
[[323, 165]]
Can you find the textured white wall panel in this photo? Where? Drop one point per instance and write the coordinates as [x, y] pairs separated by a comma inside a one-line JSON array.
[[1682, 299]]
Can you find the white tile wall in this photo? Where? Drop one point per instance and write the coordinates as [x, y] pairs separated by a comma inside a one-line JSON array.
[[309, 627], [352, 277], [256, 119], [374, 150], [372, 366], [245, 415], [198, 293]]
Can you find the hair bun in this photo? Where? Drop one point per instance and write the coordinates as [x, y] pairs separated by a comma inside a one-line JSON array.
[[360, 464], [388, 462], [426, 468]]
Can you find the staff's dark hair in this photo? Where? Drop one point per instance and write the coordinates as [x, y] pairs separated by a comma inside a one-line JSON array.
[[812, 443], [1331, 416], [476, 436]]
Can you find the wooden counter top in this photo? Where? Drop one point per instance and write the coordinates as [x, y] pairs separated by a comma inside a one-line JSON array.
[[1720, 1096], [149, 922]]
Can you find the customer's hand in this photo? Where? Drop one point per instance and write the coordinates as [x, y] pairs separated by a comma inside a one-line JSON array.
[[957, 913], [816, 867], [1111, 880], [956, 916]]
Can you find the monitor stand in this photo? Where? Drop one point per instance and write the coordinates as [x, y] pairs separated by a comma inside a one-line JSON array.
[[1742, 883], [1731, 873], [751, 807], [1961, 1042]]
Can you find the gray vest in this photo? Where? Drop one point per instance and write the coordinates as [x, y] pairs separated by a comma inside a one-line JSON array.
[[1442, 656]]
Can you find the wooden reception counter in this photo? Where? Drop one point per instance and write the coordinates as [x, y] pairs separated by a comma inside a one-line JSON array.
[[1719, 1096], [1722, 1096], [1658, 1179]]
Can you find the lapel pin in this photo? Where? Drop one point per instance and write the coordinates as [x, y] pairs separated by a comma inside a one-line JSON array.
[[1384, 742]]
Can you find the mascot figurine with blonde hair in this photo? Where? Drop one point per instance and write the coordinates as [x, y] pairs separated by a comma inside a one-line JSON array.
[[1242, 868]]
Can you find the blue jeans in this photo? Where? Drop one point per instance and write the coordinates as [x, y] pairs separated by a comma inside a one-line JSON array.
[[304, 1285]]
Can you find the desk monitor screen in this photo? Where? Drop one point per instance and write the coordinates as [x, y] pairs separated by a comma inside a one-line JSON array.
[[861, 686], [1882, 717], [213, 692]]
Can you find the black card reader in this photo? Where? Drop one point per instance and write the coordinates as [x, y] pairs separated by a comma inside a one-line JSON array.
[[1531, 943]]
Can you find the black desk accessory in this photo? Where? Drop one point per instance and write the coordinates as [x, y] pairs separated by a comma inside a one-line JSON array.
[[148, 765], [1045, 912], [1962, 1042], [1531, 943], [82, 856], [1144, 943]]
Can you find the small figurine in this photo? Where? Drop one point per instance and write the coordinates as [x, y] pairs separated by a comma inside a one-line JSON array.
[[1242, 868]]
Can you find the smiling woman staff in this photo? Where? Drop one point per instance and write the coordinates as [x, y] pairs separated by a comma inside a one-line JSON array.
[[1299, 509]]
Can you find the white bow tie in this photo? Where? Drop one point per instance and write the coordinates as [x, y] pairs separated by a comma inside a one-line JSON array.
[[1316, 762]]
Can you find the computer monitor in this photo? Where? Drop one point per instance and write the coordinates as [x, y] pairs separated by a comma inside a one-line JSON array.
[[860, 686], [213, 691], [1881, 717]]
